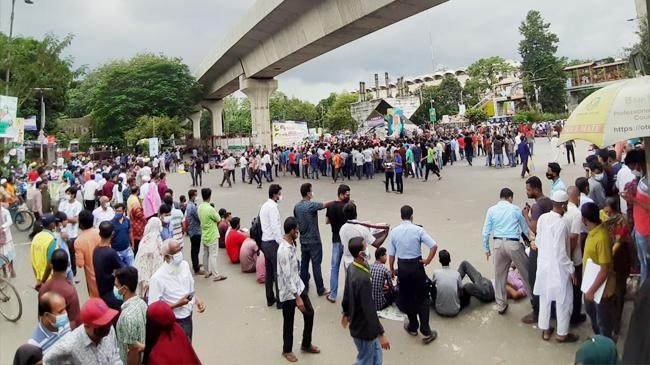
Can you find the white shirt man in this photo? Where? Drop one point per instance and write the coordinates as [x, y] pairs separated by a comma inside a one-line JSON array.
[[554, 268], [623, 177], [89, 188], [71, 207], [270, 221], [171, 283], [350, 230], [230, 163], [103, 213]]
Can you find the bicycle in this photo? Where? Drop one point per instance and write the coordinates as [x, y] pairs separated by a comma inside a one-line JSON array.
[[11, 306], [23, 218]]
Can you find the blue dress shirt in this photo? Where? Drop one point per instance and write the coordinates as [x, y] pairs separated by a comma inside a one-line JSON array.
[[504, 220], [405, 241]]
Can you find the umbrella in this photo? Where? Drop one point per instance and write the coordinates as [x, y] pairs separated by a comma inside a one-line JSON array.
[[615, 113]]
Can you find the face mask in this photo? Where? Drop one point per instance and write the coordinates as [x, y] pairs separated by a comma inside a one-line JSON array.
[[104, 206], [177, 258], [598, 177], [61, 320], [166, 219], [549, 176], [118, 296], [119, 215], [637, 174]]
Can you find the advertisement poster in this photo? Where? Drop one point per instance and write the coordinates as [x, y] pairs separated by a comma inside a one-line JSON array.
[[288, 132], [30, 124], [395, 122], [153, 147], [20, 130], [8, 106]]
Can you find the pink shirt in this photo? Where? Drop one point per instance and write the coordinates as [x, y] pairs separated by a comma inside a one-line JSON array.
[[641, 216], [260, 268]]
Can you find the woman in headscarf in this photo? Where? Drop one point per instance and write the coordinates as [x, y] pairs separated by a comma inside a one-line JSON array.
[[151, 201], [166, 342], [149, 257], [136, 215], [28, 355]]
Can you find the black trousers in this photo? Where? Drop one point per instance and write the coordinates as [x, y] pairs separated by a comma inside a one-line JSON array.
[[195, 242], [399, 182], [577, 295], [270, 250], [89, 205], [570, 153], [288, 314], [524, 167], [414, 295], [480, 287], [390, 177], [431, 167]]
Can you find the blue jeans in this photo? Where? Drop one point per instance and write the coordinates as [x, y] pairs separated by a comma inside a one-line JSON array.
[[369, 169], [642, 252], [498, 159], [126, 256], [337, 253], [313, 252], [369, 352]]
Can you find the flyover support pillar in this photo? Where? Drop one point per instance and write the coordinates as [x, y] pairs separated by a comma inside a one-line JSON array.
[[195, 119], [216, 109], [259, 91]]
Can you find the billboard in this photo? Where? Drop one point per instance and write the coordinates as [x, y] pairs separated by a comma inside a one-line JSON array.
[[153, 147], [288, 132], [8, 107], [395, 122]]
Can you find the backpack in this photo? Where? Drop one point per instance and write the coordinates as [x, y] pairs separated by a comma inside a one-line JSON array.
[[256, 231]]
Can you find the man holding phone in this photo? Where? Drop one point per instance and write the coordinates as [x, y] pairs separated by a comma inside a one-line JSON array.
[[173, 283]]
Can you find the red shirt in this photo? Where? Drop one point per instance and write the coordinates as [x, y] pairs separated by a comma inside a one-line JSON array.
[[33, 175], [234, 241], [461, 142], [292, 158], [107, 189]]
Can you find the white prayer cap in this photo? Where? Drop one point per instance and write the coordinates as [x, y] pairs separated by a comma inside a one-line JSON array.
[[560, 196]]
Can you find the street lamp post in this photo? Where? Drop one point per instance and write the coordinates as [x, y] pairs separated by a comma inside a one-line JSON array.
[[11, 33], [41, 133]]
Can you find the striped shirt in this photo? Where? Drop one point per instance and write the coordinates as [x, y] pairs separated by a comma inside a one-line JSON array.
[[44, 338]]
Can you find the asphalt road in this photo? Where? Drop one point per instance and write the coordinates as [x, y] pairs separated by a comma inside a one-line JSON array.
[[238, 328]]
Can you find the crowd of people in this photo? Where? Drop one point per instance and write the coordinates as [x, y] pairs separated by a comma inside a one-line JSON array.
[[121, 223]]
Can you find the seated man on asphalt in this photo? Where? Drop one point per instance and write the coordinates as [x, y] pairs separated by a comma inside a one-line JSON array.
[[383, 290]]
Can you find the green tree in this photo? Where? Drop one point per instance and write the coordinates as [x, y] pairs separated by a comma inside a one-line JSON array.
[[285, 108], [473, 93], [642, 47], [447, 96], [38, 64], [123, 91], [475, 115], [485, 72], [154, 126], [338, 117], [323, 107], [541, 69], [237, 115]]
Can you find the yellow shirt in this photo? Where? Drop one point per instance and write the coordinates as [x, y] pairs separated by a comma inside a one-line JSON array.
[[131, 202], [598, 248], [43, 245]]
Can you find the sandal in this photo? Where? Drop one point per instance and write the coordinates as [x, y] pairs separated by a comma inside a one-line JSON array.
[[570, 337], [219, 278], [290, 356], [311, 349], [546, 334]]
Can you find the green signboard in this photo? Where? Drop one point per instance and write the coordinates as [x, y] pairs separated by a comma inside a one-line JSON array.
[[432, 114]]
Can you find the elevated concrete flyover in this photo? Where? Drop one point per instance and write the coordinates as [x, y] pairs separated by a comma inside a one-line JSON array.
[[277, 35]]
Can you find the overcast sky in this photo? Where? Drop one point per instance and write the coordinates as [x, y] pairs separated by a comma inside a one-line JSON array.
[[451, 35]]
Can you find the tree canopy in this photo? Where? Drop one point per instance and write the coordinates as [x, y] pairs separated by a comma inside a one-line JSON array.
[[119, 93], [37, 64], [161, 127], [338, 116], [540, 67], [285, 108]]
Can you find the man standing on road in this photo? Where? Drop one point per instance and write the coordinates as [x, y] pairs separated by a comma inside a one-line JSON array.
[[194, 231], [573, 219], [354, 228], [292, 293], [336, 219], [405, 244], [209, 235], [311, 247], [469, 148], [173, 283], [359, 309], [531, 214], [132, 323], [71, 207], [59, 284], [84, 246], [506, 223], [271, 238], [555, 271]]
